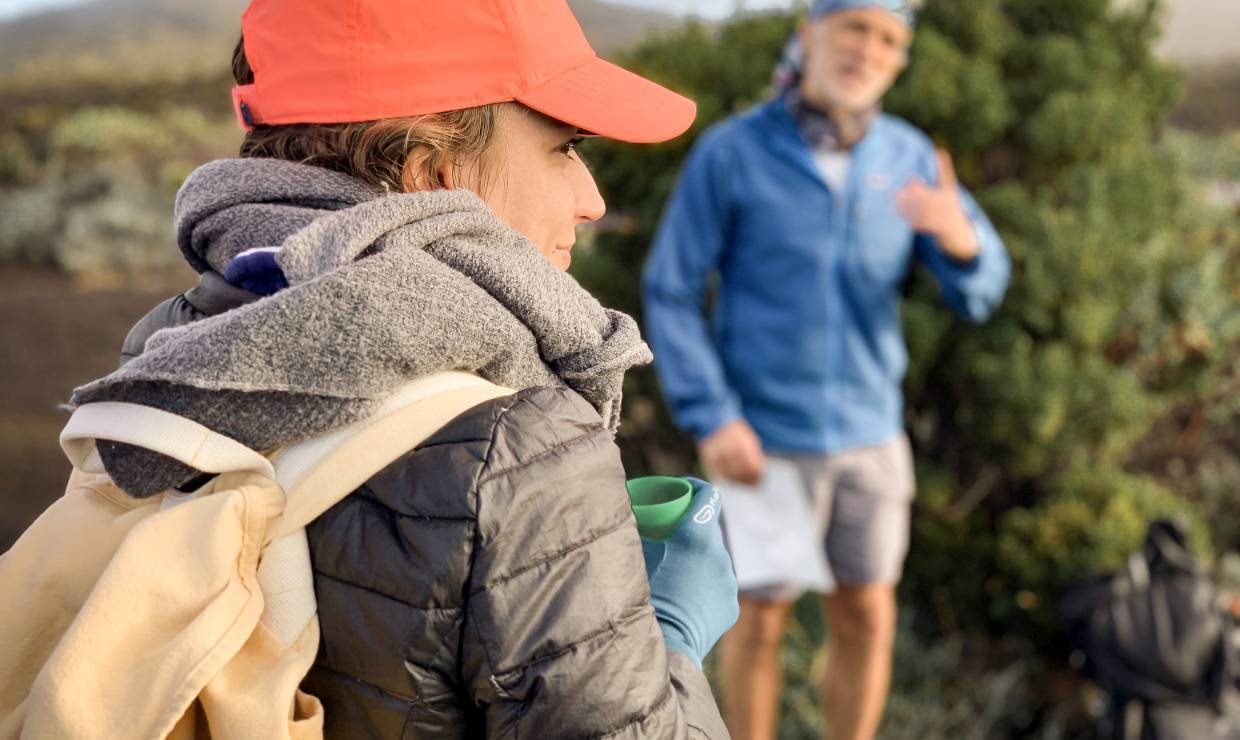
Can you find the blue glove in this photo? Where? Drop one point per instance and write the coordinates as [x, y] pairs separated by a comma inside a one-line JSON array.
[[692, 584]]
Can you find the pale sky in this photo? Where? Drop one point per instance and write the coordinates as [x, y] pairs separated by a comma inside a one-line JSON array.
[[705, 8], [11, 8]]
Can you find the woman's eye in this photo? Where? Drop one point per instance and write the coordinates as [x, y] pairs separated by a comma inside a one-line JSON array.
[[570, 146]]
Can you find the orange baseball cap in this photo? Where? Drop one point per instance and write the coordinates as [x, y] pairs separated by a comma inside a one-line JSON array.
[[338, 61]]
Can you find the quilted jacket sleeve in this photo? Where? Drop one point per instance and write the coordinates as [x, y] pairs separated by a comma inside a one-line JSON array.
[[560, 639]]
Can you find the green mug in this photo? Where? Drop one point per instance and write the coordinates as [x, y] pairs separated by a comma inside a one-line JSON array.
[[659, 502]]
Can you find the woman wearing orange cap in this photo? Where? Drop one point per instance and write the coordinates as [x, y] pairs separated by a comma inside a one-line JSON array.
[[405, 203]]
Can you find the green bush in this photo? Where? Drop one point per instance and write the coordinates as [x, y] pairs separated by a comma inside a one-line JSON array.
[[17, 163], [101, 197]]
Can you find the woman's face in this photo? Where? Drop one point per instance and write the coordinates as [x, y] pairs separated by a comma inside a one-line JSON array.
[[852, 57], [536, 182]]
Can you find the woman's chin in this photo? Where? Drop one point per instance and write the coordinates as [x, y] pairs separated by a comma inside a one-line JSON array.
[[561, 258]]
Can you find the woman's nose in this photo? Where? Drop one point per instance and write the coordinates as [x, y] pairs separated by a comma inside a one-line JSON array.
[[588, 200]]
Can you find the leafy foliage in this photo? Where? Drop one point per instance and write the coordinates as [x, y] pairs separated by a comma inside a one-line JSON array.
[[100, 198]]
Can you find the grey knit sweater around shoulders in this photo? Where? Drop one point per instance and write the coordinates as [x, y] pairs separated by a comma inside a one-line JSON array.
[[383, 289]]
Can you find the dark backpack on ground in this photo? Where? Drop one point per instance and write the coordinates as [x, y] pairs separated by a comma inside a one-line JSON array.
[[1158, 641]]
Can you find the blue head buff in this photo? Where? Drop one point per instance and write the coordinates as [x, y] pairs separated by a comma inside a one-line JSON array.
[[902, 8]]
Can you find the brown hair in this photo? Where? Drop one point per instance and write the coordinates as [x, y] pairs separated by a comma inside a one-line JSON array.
[[378, 153]]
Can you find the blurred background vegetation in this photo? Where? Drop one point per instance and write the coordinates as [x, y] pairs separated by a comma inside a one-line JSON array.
[[1104, 393]]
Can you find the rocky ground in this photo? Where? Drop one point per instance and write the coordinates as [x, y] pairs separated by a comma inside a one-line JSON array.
[[56, 332]]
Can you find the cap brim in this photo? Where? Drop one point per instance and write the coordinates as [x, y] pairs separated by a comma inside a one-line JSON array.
[[600, 98]]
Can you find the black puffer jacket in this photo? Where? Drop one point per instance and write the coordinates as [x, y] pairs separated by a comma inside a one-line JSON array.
[[490, 583]]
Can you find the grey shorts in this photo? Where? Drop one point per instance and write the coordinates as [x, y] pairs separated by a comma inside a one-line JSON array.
[[862, 499]]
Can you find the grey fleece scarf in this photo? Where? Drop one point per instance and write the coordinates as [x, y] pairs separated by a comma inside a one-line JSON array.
[[383, 289]]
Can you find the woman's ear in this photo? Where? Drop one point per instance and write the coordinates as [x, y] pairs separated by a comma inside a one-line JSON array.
[[416, 174], [413, 175], [447, 175]]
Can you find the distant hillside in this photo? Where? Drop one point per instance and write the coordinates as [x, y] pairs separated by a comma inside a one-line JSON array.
[[133, 39], [144, 39], [611, 27]]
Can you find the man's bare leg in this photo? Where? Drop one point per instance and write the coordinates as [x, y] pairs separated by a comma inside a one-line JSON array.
[[751, 669], [862, 625]]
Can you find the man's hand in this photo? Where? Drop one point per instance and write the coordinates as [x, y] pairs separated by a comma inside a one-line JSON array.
[[734, 452], [939, 211]]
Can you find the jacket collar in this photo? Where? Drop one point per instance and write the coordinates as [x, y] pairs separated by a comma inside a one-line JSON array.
[[785, 139]]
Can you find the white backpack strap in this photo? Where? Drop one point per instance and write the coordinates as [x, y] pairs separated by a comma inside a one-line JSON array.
[[315, 474], [319, 472], [175, 436]]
